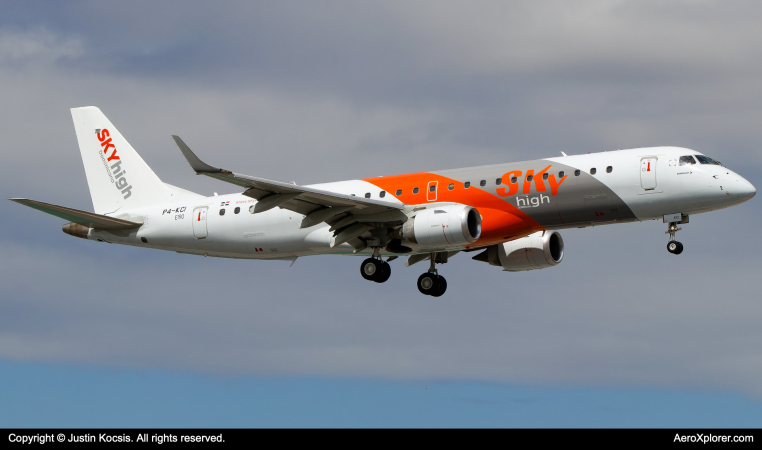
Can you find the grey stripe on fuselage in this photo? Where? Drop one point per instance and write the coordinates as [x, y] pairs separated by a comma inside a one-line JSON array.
[[581, 200]]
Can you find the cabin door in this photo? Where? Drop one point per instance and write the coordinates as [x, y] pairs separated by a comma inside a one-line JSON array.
[[648, 173], [199, 223]]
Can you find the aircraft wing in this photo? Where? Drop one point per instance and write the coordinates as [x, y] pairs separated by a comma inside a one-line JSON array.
[[85, 218], [300, 199]]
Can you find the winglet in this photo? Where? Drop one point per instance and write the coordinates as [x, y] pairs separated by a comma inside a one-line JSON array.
[[195, 163]]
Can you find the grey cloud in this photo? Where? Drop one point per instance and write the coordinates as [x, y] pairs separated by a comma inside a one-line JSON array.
[[610, 314], [38, 46], [322, 93]]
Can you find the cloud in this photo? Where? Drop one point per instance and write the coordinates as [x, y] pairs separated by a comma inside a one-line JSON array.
[[342, 90], [40, 46], [610, 314]]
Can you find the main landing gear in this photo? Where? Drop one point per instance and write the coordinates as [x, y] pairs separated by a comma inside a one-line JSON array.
[[375, 269], [673, 246], [431, 283]]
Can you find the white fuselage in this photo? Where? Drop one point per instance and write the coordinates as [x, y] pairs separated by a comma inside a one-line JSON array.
[[276, 234]]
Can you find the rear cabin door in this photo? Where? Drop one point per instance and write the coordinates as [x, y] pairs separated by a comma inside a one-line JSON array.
[[199, 222], [648, 173]]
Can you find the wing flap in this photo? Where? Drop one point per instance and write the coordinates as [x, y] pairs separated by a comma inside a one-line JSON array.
[[85, 218]]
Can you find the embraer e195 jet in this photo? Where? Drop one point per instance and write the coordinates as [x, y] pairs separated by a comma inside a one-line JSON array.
[[508, 213]]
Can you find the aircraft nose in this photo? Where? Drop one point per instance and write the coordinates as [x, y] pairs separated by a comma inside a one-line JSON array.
[[745, 189]]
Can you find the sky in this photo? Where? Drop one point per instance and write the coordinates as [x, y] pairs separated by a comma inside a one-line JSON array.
[[325, 91]]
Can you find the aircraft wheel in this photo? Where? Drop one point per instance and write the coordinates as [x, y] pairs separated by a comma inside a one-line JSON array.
[[441, 288], [428, 283], [674, 247], [371, 269], [385, 273]]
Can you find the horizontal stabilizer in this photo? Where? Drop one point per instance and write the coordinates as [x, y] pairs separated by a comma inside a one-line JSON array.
[[84, 218]]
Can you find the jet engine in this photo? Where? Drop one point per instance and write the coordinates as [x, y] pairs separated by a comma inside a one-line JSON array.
[[536, 251], [443, 226]]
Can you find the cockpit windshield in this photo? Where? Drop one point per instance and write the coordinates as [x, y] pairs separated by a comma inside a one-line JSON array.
[[707, 160], [688, 159]]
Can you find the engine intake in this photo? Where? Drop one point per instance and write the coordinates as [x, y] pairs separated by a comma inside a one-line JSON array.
[[536, 251], [443, 226]]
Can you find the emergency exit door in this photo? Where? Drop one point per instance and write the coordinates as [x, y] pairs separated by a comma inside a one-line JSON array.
[[199, 223], [648, 173]]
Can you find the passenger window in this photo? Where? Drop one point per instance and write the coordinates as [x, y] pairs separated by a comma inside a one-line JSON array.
[[499, 181], [483, 183], [545, 176], [467, 185], [592, 171], [367, 195], [432, 188], [529, 177], [382, 194], [609, 169], [222, 212], [514, 179], [399, 192], [451, 186], [687, 159], [415, 190], [560, 174], [576, 173], [237, 210]]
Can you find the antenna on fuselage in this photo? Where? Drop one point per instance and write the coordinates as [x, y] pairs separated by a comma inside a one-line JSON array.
[[564, 154]]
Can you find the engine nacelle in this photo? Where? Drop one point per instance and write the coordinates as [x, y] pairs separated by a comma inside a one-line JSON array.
[[536, 251], [443, 226]]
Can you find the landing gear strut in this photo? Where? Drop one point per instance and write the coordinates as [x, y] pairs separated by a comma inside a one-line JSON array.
[[431, 283], [375, 269], [673, 246]]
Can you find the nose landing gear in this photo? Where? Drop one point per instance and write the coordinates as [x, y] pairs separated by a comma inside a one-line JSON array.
[[431, 283], [673, 246]]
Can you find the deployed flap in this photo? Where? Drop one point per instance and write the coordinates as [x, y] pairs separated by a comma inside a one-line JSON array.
[[305, 201], [81, 217]]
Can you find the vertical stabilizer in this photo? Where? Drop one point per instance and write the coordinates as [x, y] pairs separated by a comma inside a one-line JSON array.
[[118, 177]]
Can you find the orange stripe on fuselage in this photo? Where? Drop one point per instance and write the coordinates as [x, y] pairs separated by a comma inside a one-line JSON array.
[[501, 221]]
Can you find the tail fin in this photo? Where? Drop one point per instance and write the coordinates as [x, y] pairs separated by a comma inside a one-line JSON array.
[[117, 176]]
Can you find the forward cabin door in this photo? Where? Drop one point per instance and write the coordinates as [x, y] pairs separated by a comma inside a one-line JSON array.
[[199, 222], [648, 173]]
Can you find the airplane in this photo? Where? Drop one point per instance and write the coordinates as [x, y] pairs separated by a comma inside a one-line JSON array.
[[509, 213]]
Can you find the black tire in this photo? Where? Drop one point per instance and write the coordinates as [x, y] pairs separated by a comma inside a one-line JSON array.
[[386, 272], [370, 269], [428, 283], [441, 288], [674, 247]]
